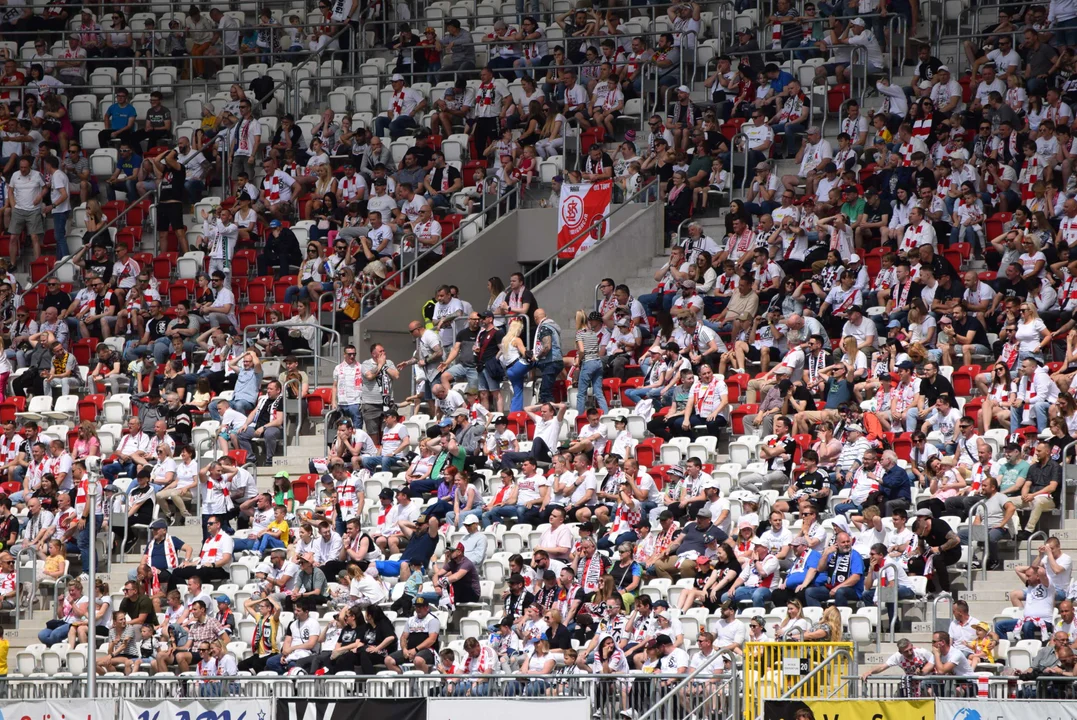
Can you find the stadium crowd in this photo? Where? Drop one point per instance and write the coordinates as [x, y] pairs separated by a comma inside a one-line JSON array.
[[906, 292]]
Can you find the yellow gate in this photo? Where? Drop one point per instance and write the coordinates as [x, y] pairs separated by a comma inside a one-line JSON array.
[[771, 669]]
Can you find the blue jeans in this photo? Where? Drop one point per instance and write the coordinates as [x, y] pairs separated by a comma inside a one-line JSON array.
[[84, 543], [550, 370], [591, 377], [498, 514], [965, 233], [532, 689], [1029, 631], [759, 596], [637, 394], [517, 373], [1065, 31], [353, 412], [994, 535], [842, 508], [239, 405], [792, 136], [374, 463], [817, 595], [1038, 409], [113, 469], [475, 689], [904, 593], [653, 302], [419, 487], [59, 229], [397, 126], [261, 544], [54, 637]]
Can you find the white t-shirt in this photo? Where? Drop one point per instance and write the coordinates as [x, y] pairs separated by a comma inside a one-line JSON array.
[[302, 632], [60, 182]]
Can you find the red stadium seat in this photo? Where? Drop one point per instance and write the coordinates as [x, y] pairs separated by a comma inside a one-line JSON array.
[[739, 414], [318, 399], [522, 424], [648, 451], [964, 379]]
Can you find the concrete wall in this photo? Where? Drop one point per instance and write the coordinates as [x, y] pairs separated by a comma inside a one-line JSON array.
[[635, 238], [540, 239], [493, 252]]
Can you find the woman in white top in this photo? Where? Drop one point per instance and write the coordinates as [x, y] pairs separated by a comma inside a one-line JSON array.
[[1032, 334], [793, 627], [854, 360], [922, 326], [551, 141], [163, 474], [520, 111], [1016, 96], [540, 663], [118, 41], [305, 543], [1033, 262], [362, 588], [245, 217], [512, 358], [185, 473], [899, 218]]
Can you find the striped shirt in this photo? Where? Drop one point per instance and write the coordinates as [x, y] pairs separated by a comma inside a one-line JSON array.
[[590, 344]]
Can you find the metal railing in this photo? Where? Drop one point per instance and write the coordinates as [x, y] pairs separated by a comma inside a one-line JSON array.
[[1038, 535], [609, 694], [25, 574], [977, 536], [645, 196], [316, 350], [775, 670], [69, 259], [707, 688], [409, 271], [1065, 489]]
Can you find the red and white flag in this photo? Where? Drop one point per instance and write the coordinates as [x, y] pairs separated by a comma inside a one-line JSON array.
[[581, 207]]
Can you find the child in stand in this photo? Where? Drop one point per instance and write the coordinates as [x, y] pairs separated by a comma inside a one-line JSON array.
[[716, 183], [983, 647], [412, 586], [505, 642], [56, 560], [478, 412], [431, 54], [528, 166], [147, 647]]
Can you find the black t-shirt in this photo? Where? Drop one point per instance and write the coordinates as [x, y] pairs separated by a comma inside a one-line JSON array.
[[102, 269], [171, 184], [944, 294], [466, 338], [776, 462], [926, 69], [923, 178], [932, 391], [561, 640], [441, 179], [157, 327], [875, 214], [423, 155], [59, 300], [491, 345], [937, 536], [973, 325], [158, 117], [591, 166], [1007, 288], [812, 482]]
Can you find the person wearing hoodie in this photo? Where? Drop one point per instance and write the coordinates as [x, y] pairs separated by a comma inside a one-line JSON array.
[[547, 352]]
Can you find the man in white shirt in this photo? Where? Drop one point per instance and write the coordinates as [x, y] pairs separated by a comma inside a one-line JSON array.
[[427, 356], [1036, 393], [27, 189], [404, 104], [446, 310], [59, 205], [245, 141], [222, 311], [276, 191], [547, 433]]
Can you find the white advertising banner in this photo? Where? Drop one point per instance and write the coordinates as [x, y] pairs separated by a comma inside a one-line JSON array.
[[205, 709], [515, 708], [975, 709], [58, 709]]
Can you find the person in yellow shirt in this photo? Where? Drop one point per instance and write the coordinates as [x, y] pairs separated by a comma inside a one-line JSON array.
[[279, 528], [3, 653]]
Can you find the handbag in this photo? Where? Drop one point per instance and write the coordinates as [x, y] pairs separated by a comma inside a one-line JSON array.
[[55, 624], [352, 308]]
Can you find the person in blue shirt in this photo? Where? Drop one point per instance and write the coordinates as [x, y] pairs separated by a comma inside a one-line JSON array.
[[843, 574], [120, 121], [125, 176], [805, 560], [777, 77]]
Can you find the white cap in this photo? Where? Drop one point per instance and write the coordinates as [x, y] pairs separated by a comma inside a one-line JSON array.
[[859, 22], [943, 68], [854, 258], [960, 154], [397, 77], [683, 89]]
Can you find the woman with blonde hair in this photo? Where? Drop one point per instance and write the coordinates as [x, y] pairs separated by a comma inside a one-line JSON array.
[[854, 360], [828, 629], [1032, 260], [794, 625], [513, 357]]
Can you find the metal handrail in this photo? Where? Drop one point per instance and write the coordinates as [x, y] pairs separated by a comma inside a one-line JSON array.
[[674, 693], [316, 350], [949, 599], [412, 266], [1039, 534], [629, 202], [20, 569], [1063, 505], [977, 510], [68, 259], [316, 58], [299, 402], [819, 668]]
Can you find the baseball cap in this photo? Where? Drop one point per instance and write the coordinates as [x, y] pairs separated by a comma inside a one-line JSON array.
[[223, 599], [943, 68], [905, 365], [854, 258], [960, 154], [859, 22], [663, 640], [893, 324], [397, 77], [704, 513], [471, 520], [516, 578], [386, 494], [445, 422], [420, 602], [274, 223], [158, 525], [683, 89], [854, 428]]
